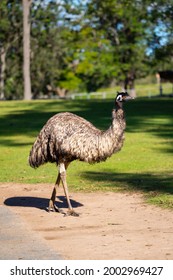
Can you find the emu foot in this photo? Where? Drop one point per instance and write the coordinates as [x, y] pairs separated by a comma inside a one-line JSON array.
[[54, 208], [71, 212]]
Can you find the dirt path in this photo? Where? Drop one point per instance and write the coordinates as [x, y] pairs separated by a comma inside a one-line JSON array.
[[110, 225]]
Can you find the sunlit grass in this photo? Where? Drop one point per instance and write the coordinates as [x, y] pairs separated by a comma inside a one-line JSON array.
[[142, 90]]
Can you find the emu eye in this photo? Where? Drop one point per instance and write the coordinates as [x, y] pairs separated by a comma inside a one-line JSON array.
[[119, 98]]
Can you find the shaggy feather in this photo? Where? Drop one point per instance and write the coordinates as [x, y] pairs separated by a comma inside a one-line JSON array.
[[67, 137]]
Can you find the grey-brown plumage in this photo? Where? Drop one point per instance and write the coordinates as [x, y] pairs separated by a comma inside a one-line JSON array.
[[67, 137]]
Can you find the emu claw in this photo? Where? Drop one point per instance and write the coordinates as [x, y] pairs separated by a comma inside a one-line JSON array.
[[71, 213], [54, 208]]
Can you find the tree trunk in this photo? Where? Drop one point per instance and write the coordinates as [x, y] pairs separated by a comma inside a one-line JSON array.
[[26, 49], [129, 82], [61, 92], [2, 71]]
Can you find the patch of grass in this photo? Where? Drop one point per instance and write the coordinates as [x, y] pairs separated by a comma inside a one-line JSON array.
[[164, 200], [142, 90], [151, 90], [144, 164]]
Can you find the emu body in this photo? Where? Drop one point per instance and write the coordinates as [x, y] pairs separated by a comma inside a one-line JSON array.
[[67, 137]]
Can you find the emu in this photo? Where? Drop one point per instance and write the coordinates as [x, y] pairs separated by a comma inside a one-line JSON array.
[[67, 137]]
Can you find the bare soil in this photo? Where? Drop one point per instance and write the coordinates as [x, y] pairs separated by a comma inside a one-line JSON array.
[[110, 225]]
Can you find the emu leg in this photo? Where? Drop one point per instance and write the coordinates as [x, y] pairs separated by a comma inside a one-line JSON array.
[[52, 207], [62, 169]]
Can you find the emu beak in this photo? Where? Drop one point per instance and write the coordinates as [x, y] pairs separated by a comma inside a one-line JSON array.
[[127, 98]]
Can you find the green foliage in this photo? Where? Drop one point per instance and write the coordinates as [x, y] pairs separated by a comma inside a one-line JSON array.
[[143, 165], [85, 45], [71, 82], [10, 44]]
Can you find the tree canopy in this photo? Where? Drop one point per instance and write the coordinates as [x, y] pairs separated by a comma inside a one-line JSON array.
[[84, 45]]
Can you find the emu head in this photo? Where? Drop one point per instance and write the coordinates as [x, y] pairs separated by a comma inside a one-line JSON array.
[[121, 97]]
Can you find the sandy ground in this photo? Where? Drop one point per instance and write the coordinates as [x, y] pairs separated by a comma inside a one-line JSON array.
[[110, 225]]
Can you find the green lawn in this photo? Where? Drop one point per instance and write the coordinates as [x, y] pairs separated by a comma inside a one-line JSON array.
[[142, 90], [144, 164]]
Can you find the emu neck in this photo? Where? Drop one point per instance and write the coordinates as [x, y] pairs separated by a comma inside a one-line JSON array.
[[118, 125], [118, 105], [118, 117], [111, 140]]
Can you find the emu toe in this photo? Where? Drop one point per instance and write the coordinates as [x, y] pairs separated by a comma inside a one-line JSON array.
[[54, 208], [72, 213]]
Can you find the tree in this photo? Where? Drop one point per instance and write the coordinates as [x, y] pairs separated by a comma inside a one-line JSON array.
[[10, 33], [160, 39], [47, 46], [89, 57], [81, 45], [4, 45], [124, 24], [26, 49], [2, 72]]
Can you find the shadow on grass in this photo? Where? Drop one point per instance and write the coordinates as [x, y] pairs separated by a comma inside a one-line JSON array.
[[37, 202], [148, 183], [14, 143]]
